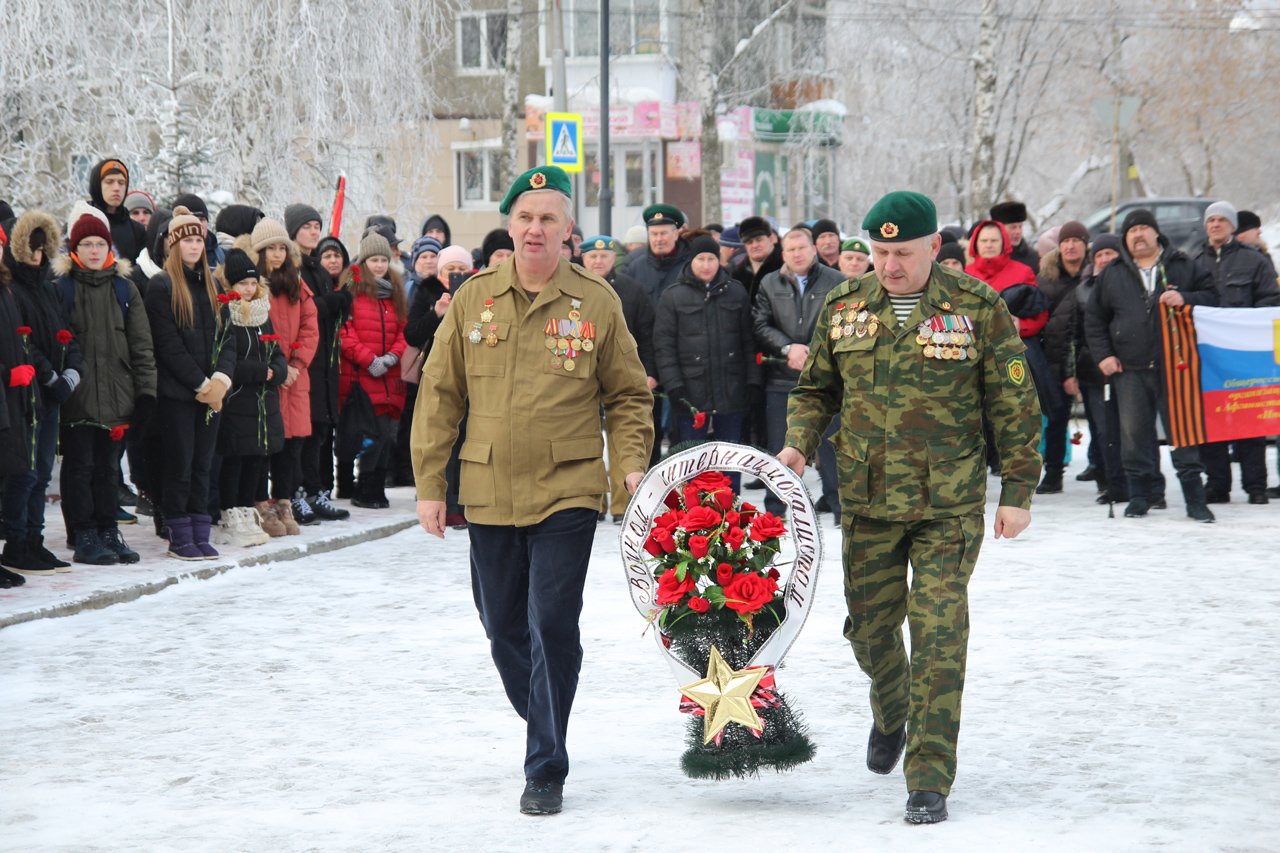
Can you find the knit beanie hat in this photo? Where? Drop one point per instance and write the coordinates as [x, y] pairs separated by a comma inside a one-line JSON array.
[[636, 234], [183, 224], [825, 226], [1140, 216], [297, 215], [1074, 228], [237, 267], [453, 255], [267, 233], [729, 237], [236, 220], [952, 251], [1247, 220], [193, 203], [423, 244], [493, 241], [138, 200], [705, 243], [82, 208], [1105, 241], [1223, 209], [88, 225], [374, 245]]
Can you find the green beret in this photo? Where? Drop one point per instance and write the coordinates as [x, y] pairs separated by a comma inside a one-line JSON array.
[[538, 178], [600, 241], [901, 216], [855, 244], [663, 214]]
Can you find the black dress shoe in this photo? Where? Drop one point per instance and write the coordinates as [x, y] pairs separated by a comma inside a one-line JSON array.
[[1216, 496], [1137, 508], [1088, 475], [541, 797], [925, 807], [1259, 498], [1273, 492], [1159, 503], [883, 751]]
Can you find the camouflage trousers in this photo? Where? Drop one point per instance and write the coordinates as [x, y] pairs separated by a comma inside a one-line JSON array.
[[925, 691]]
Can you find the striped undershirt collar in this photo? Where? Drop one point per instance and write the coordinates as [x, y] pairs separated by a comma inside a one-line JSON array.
[[903, 305]]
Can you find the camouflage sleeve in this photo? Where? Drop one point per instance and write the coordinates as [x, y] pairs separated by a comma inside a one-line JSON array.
[[1009, 401], [817, 396]]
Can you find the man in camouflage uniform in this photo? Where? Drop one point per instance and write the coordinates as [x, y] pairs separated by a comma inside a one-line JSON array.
[[911, 356]]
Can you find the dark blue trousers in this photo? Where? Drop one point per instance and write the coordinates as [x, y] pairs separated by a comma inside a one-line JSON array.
[[22, 496], [527, 583]]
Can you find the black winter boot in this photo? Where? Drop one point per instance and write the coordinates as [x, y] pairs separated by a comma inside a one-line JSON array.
[[1197, 508], [1051, 484], [36, 542], [18, 557], [114, 542], [925, 807], [91, 550]]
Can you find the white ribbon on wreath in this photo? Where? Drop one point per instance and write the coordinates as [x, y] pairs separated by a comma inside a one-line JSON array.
[[797, 561]]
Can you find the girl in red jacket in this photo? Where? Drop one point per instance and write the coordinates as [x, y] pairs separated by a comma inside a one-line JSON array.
[[372, 342]]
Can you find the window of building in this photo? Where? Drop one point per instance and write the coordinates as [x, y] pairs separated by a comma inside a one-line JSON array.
[[478, 171], [482, 41], [635, 28]]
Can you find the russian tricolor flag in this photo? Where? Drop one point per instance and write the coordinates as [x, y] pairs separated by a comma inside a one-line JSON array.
[[1222, 370]]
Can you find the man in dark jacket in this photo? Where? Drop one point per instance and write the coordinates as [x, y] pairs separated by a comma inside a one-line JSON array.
[[108, 185], [599, 254], [1060, 272], [784, 315], [1122, 327], [657, 266], [1013, 216], [304, 225], [763, 253], [1244, 278]]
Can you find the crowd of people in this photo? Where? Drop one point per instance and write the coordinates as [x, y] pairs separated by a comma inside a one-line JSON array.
[[245, 374]]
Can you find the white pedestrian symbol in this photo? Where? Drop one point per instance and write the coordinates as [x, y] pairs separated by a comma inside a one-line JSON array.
[[565, 150]]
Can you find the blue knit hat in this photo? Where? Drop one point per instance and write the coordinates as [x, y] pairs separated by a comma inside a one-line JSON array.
[[423, 244]]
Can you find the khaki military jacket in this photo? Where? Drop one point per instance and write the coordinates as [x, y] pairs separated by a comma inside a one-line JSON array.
[[534, 444], [910, 444]]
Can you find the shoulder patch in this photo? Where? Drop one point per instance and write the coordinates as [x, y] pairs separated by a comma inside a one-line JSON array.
[[1016, 370]]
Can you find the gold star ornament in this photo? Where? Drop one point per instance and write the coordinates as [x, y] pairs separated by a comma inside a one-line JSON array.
[[725, 696]]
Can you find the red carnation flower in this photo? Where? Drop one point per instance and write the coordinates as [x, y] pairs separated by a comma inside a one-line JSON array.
[[698, 546], [24, 330], [698, 604], [64, 337], [355, 273], [766, 526], [295, 345], [724, 573], [699, 420], [759, 358], [671, 589], [224, 298], [117, 432]]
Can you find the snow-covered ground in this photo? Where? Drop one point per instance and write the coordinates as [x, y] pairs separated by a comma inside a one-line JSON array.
[[1121, 696]]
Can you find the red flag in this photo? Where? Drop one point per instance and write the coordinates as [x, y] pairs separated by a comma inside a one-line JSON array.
[[340, 196]]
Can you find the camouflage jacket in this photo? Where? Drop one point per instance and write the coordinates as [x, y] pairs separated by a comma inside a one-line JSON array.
[[910, 444]]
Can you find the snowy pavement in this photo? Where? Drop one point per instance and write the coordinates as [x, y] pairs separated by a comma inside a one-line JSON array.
[[1121, 696]]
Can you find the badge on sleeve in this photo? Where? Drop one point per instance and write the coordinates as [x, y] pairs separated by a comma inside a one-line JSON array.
[[1016, 369]]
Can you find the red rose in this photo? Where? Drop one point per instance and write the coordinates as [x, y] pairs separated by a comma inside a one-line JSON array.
[[668, 521], [747, 512], [724, 573], [747, 593], [724, 498], [699, 420], [64, 337], [666, 540], [734, 537], [651, 545], [698, 546], [774, 573], [670, 589], [698, 604], [692, 497], [672, 500], [700, 518], [731, 518], [710, 481], [767, 526], [117, 432], [24, 330]]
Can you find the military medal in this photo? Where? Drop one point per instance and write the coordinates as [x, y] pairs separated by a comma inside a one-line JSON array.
[[930, 351], [551, 343], [491, 339], [475, 337], [836, 333], [568, 365], [486, 316], [556, 361], [972, 352], [588, 345]]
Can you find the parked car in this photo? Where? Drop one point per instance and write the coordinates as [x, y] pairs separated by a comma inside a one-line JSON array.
[[1180, 219]]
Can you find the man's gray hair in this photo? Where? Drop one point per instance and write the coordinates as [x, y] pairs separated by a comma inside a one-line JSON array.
[[568, 201]]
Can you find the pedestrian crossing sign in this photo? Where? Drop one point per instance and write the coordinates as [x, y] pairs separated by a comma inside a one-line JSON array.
[[564, 141]]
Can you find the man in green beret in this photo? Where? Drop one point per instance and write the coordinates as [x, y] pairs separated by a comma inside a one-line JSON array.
[[911, 357], [855, 257], [532, 350], [657, 266]]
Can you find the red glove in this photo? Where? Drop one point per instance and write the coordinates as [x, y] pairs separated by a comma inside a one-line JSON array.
[[21, 376]]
